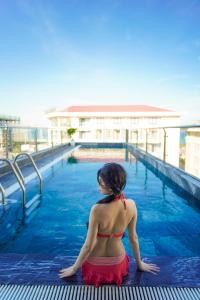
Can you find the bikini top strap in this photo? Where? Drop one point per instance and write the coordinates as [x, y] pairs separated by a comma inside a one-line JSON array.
[[122, 198]]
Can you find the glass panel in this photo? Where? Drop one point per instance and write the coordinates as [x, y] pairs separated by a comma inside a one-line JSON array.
[[179, 147], [14, 140]]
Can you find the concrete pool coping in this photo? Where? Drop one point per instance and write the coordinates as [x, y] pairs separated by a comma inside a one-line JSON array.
[[183, 180], [23, 161], [42, 168]]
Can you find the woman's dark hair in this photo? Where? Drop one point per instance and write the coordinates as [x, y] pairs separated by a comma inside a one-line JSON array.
[[114, 178]]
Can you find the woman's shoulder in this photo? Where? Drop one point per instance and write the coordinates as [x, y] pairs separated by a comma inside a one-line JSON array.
[[96, 207], [131, 203], [130, 200]]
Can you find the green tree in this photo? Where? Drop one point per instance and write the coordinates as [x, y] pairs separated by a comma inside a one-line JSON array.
[[71, 132]]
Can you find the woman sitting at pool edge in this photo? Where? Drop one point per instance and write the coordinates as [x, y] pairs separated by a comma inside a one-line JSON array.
[[103, 258]]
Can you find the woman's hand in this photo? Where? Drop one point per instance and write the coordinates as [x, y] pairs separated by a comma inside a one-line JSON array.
[[148, 267], [67, 272]]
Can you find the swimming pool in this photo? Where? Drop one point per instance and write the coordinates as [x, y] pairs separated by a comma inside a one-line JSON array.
[[168, 223]]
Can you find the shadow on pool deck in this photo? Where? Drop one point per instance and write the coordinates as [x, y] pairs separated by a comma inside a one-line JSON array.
[[43, 269]]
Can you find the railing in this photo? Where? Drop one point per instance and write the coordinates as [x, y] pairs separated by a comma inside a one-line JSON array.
[[32, 204], [34, 166], [176, 145], [2, 194], [16, 139], [18, 180]]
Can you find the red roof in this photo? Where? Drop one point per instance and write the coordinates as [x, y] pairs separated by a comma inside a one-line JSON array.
[[115, 108]]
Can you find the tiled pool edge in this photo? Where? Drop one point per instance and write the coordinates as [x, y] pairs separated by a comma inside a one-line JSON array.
[[185, 181], [38, 268]]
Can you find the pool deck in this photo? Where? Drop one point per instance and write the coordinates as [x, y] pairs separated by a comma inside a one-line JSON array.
[[36, 269], [35, 276]]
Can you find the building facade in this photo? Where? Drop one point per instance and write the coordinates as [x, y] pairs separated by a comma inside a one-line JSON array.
[[192, 152], [117, 123]]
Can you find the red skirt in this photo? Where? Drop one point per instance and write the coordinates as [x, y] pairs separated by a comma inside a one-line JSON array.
[[107, 270]]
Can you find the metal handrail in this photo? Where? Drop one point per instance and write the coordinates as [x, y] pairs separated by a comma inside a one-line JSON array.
[[160, 127], [165, 137], [18, 179], [34, 166], [164, 149], [3, 194]]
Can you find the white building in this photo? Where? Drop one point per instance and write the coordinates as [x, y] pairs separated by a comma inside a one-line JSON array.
[[109, 123], [192, 153]]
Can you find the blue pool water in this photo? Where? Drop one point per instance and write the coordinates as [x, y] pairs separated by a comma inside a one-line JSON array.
[[168, 224]]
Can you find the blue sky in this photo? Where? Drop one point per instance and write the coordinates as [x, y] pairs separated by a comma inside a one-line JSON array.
[[61, 53]]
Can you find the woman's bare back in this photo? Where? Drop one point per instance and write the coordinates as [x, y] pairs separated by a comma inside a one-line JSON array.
[[113, 219]]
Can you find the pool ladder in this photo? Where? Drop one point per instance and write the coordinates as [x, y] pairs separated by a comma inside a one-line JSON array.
[[29, 206]]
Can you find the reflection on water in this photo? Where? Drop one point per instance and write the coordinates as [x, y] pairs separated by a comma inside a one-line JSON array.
[[102, 154], [72, 160]]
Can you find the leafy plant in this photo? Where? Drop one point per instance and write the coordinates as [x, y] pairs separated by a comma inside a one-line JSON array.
[[71, 131]]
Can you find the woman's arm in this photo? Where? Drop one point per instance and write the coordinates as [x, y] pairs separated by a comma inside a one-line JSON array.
[[91, 238], [83, 255], [133, 239], [87, 247], [72, 270], [142, 266]]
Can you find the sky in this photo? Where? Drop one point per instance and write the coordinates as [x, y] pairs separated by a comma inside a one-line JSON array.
[[75, 52]]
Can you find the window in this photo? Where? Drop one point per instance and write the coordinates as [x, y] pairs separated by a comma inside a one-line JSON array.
[[117, 121], [54, 122], [116, 134], [83, 134], [106, 134], [98, 134], [153, 134], [134, 136], [100, 121], [134, 121], [65, 122], [152, 121], [84, 121]]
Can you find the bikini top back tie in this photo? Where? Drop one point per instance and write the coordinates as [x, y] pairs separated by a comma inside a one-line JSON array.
[[117, 198]]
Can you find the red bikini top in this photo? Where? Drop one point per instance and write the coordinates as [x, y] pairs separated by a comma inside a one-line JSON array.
[[122, 198]]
